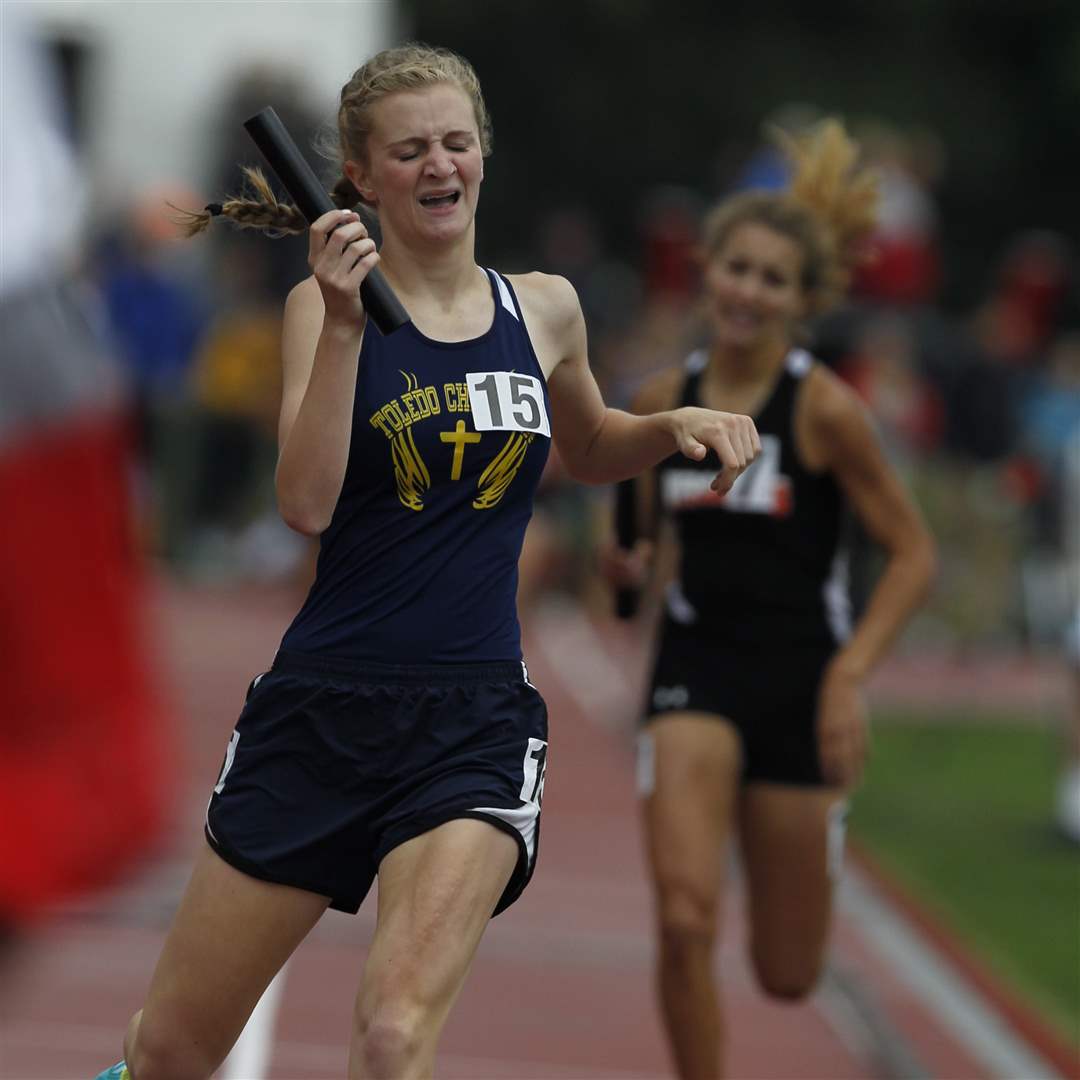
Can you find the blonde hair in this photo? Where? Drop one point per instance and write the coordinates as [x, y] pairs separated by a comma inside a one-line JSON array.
[[413, 66], [829, 209]]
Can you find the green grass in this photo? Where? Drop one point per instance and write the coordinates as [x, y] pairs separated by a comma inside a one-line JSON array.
[[961, 812]]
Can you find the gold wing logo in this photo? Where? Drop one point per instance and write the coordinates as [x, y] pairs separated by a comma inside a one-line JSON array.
[[410, 473], [498, 476]]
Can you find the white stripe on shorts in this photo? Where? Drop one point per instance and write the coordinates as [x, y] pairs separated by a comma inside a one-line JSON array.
[[523, 820]]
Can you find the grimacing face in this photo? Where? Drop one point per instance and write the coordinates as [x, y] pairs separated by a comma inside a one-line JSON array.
[[753, 284], [423, 164]]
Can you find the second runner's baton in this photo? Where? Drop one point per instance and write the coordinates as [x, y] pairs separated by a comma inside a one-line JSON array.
[[626, 599]]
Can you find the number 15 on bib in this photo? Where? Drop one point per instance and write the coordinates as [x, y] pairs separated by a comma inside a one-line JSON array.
[[505, 401]]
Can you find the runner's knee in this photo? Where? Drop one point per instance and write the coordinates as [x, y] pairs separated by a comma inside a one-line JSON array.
[[786, 978], [687, 919], [389, 1036]]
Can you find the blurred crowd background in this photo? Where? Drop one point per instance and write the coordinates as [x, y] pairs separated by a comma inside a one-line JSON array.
[[617, 124]]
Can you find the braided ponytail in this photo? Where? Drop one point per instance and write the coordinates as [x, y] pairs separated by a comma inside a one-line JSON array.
[[264, 211]]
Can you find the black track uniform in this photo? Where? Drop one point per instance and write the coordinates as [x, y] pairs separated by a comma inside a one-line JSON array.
[[760, 603]]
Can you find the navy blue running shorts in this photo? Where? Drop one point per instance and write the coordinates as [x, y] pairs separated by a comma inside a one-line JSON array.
[[769, 694], [334, 763]]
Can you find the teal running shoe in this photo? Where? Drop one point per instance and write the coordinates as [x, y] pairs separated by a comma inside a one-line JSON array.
[[118, 1072]]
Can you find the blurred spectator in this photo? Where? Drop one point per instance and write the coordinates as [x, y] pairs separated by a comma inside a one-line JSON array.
[[982, 407], [905, 269], [767, 169], [670, 227], [1049, 422], [236, 529], [153, 301], [1068, 795], [152, 292], [1022, 312], [229, 521], [883, 366], [1009, 337], [83, 785]]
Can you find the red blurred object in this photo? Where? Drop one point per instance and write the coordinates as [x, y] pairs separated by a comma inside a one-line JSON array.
[[1019, 319], [83, 781], [670, 233], [903, 270], [882, 368], [1023, 479]]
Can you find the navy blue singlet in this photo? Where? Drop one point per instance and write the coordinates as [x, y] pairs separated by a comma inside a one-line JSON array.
[[419, 562]]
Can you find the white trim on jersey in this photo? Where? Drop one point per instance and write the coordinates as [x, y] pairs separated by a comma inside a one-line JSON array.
[[836, 597], [504, 294], [679, 608], [798, 363]]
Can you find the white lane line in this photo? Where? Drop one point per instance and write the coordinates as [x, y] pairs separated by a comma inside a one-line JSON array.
[[249, 1059], [959, 1008], [865, 1028]]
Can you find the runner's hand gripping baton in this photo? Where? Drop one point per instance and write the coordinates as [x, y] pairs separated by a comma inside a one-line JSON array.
[[626, 599], [299, 180]]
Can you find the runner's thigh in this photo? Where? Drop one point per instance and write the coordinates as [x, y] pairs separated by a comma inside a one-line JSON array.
[[437, 893], [791, 839], [688, 774]]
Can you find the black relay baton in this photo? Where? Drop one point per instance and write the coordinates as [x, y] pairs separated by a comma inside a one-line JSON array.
[[300, 181], [626, 599]]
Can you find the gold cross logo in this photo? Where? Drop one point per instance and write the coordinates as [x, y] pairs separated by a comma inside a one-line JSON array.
[[459, 437]]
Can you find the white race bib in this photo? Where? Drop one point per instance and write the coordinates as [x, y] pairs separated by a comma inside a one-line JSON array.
[[506, 401]]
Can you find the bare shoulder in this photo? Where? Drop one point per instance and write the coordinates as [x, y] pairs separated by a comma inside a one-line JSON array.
[[554, 320], [659, 392], [304, 301], [839, 433], [831, 404], [550, 300]]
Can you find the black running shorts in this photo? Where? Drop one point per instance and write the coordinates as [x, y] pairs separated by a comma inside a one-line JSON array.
[[333, 764], [769, 694]]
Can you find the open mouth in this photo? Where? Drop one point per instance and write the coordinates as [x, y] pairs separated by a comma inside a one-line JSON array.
[[433, 202], [741, 318]]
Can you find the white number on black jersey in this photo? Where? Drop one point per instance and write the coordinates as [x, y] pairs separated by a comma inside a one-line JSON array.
[[761, 489]]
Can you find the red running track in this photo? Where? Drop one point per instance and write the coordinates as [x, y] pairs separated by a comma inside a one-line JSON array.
[[561, 988]]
